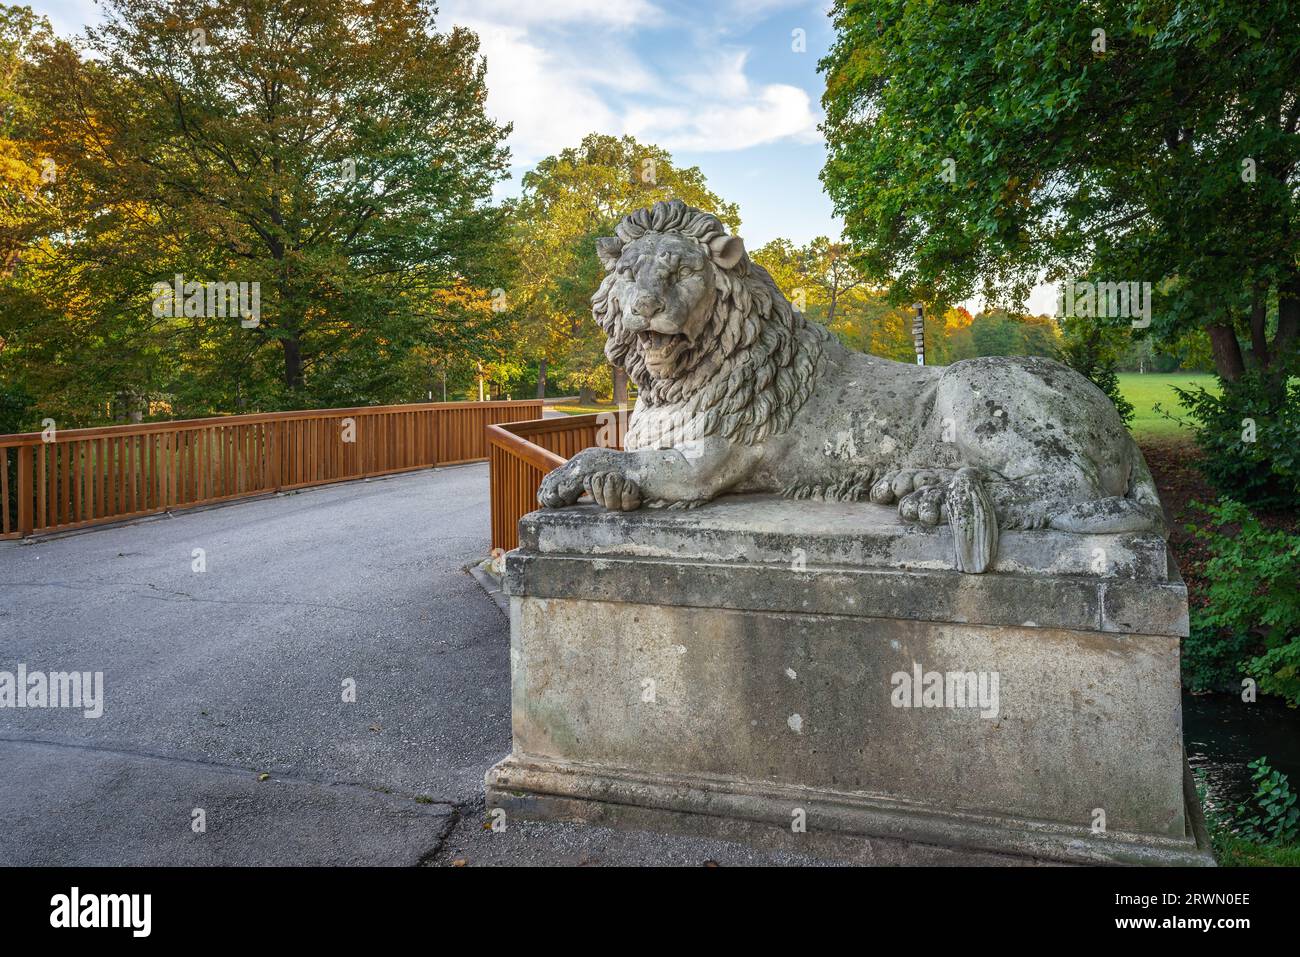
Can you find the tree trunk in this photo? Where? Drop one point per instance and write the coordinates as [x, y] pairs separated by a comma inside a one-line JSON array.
[[1288, 319], [620, 386], [541, 378], [586, 396], [1259, 352], [1227, 352], [292, 364]]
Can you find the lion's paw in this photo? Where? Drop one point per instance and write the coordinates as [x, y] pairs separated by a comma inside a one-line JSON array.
[[559, 488], [895, 485], [613, 491], [927, 505]]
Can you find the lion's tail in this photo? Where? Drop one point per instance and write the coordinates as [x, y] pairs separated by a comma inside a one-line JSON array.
[[973, 521]]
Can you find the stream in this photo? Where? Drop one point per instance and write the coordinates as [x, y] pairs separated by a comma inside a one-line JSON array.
[[1223, 735]]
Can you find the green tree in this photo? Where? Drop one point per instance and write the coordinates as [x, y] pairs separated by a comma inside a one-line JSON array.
[[568, 202], [22, 174], [1093, 351], [989, 144]]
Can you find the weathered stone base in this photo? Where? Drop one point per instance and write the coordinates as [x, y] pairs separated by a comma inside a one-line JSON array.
[[675, 672], [842, 827]]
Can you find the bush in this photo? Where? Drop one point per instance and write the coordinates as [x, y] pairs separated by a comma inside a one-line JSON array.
[[1214, 660], [1250, 434], [1093, 351], [1272, 818], [1253, 604], [1234, 847]]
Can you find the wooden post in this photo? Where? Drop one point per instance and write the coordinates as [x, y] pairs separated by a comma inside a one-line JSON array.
[[275, 434], [25, 491]]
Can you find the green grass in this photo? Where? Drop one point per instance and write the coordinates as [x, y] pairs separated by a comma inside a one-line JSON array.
[[1233, 851], [575, 409], [1144, 390]]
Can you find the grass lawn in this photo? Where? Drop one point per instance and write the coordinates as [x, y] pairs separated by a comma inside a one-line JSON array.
[[575, 409], [1144, 390]]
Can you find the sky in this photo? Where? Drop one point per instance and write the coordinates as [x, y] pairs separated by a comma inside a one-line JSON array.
[[720, 85], [730, 86]]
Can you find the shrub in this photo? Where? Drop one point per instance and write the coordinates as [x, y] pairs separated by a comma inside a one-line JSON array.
[[1250, 434], [1253, 603], [1272, 817], [1232, 847], [1214, 660], [1093, 351]]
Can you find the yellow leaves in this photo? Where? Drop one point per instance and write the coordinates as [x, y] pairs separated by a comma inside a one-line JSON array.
[[463, 297], [20, 178], [957, 317]]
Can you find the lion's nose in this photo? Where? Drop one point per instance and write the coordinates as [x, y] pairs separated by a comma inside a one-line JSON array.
[[647, 305]]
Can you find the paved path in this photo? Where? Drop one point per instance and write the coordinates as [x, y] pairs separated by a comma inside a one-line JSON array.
[[214, 679]]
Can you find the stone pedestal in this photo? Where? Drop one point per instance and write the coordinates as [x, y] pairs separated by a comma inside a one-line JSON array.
[[814, 674]]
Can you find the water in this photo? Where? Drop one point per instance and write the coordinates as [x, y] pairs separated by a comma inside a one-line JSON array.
[[1223, 734]]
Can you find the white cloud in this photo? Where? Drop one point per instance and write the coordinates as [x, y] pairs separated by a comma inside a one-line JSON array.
[[551, 104], [721, 110], [561, 77], [775, 112]]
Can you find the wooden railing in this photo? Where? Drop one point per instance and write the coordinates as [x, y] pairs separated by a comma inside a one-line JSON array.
[[521, 453], [78, 477]]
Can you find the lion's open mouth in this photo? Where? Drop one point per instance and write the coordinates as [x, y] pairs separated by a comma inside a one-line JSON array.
[[665, 343]]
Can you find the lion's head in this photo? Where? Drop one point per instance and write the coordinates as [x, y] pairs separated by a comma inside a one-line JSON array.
[[664, 269], [710, 342], [663, 283]]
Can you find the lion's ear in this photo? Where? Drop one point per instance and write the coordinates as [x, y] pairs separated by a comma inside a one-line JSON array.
[[727, 250], [609, 249]]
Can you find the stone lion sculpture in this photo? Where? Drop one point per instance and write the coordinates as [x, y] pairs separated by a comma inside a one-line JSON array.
[[738, 393]]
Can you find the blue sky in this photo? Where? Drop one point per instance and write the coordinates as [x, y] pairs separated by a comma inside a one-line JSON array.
[[718, 84]]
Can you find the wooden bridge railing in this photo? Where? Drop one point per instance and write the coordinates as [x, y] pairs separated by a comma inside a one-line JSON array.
[[521, 453], [78, 477]]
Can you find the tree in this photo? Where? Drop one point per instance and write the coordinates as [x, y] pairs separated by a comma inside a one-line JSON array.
[[339, 155], [568, 202], [821, 281], [22, 203], [1147, 140], [1094, 350], [22, 174], [825, 270]]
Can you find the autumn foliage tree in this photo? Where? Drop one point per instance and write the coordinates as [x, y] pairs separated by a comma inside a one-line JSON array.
[[337, 154]]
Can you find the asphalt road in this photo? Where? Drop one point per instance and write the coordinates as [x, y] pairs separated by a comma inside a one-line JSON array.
[[225, 736]]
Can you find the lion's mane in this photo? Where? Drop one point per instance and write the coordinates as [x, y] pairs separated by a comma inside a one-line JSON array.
[[751, 369]]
